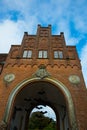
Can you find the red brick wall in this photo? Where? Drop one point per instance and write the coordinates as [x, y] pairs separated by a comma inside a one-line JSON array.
[[60, 69]]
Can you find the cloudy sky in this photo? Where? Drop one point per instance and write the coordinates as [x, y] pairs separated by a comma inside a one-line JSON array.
[[50, 113], [70, 17]]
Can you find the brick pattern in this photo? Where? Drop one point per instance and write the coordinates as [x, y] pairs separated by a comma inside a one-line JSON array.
[[60, 69]]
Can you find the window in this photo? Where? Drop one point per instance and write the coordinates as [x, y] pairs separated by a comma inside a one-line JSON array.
[[42, 54], [58, 54], [27, 54]]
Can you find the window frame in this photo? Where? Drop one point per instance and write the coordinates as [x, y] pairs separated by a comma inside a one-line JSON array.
[[58, 54], [27, 54], [42, 54]]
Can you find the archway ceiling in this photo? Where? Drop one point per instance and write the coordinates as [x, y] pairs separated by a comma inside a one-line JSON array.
[[39, 93]]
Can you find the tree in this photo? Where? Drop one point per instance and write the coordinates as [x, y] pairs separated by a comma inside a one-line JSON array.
[[38, 121]]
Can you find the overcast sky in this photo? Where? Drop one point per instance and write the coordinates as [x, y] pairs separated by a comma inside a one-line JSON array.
[[70, 17], [49, 112]]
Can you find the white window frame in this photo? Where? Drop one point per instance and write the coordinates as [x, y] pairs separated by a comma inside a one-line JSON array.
[[58, 54], [42, 54], [27, 54]]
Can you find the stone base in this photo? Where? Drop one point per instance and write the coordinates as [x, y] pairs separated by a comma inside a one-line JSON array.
[[3, 125]]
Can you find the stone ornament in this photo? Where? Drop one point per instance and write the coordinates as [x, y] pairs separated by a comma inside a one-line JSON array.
[[3, 125], [9, 77], [74, 79], [41, 72]]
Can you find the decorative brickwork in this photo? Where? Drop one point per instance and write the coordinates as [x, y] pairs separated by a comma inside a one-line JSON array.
[[42, 63]]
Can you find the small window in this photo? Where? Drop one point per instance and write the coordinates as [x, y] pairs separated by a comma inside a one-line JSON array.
[[58, 54], [27, 54], [42, 54], [55, 54]]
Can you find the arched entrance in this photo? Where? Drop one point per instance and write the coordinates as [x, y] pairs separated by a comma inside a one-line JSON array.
[[35, 91], [42, 117]]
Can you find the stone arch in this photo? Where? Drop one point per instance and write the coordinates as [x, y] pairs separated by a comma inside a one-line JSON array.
[[55, 82]]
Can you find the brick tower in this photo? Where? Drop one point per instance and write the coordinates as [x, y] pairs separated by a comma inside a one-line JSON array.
[[42, 71]]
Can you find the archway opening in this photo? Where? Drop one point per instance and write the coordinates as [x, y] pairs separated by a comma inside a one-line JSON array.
[[42, 118], [35, 94]]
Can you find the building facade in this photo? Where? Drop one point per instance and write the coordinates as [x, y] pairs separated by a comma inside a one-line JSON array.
[[43, 70]]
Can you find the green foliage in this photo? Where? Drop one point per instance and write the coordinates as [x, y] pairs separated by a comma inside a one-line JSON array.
[[38, 121]]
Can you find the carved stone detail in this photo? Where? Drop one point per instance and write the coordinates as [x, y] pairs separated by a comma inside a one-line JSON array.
[[41, 72], [74, 126], [3, 125], [9, 77], [74, 79]]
